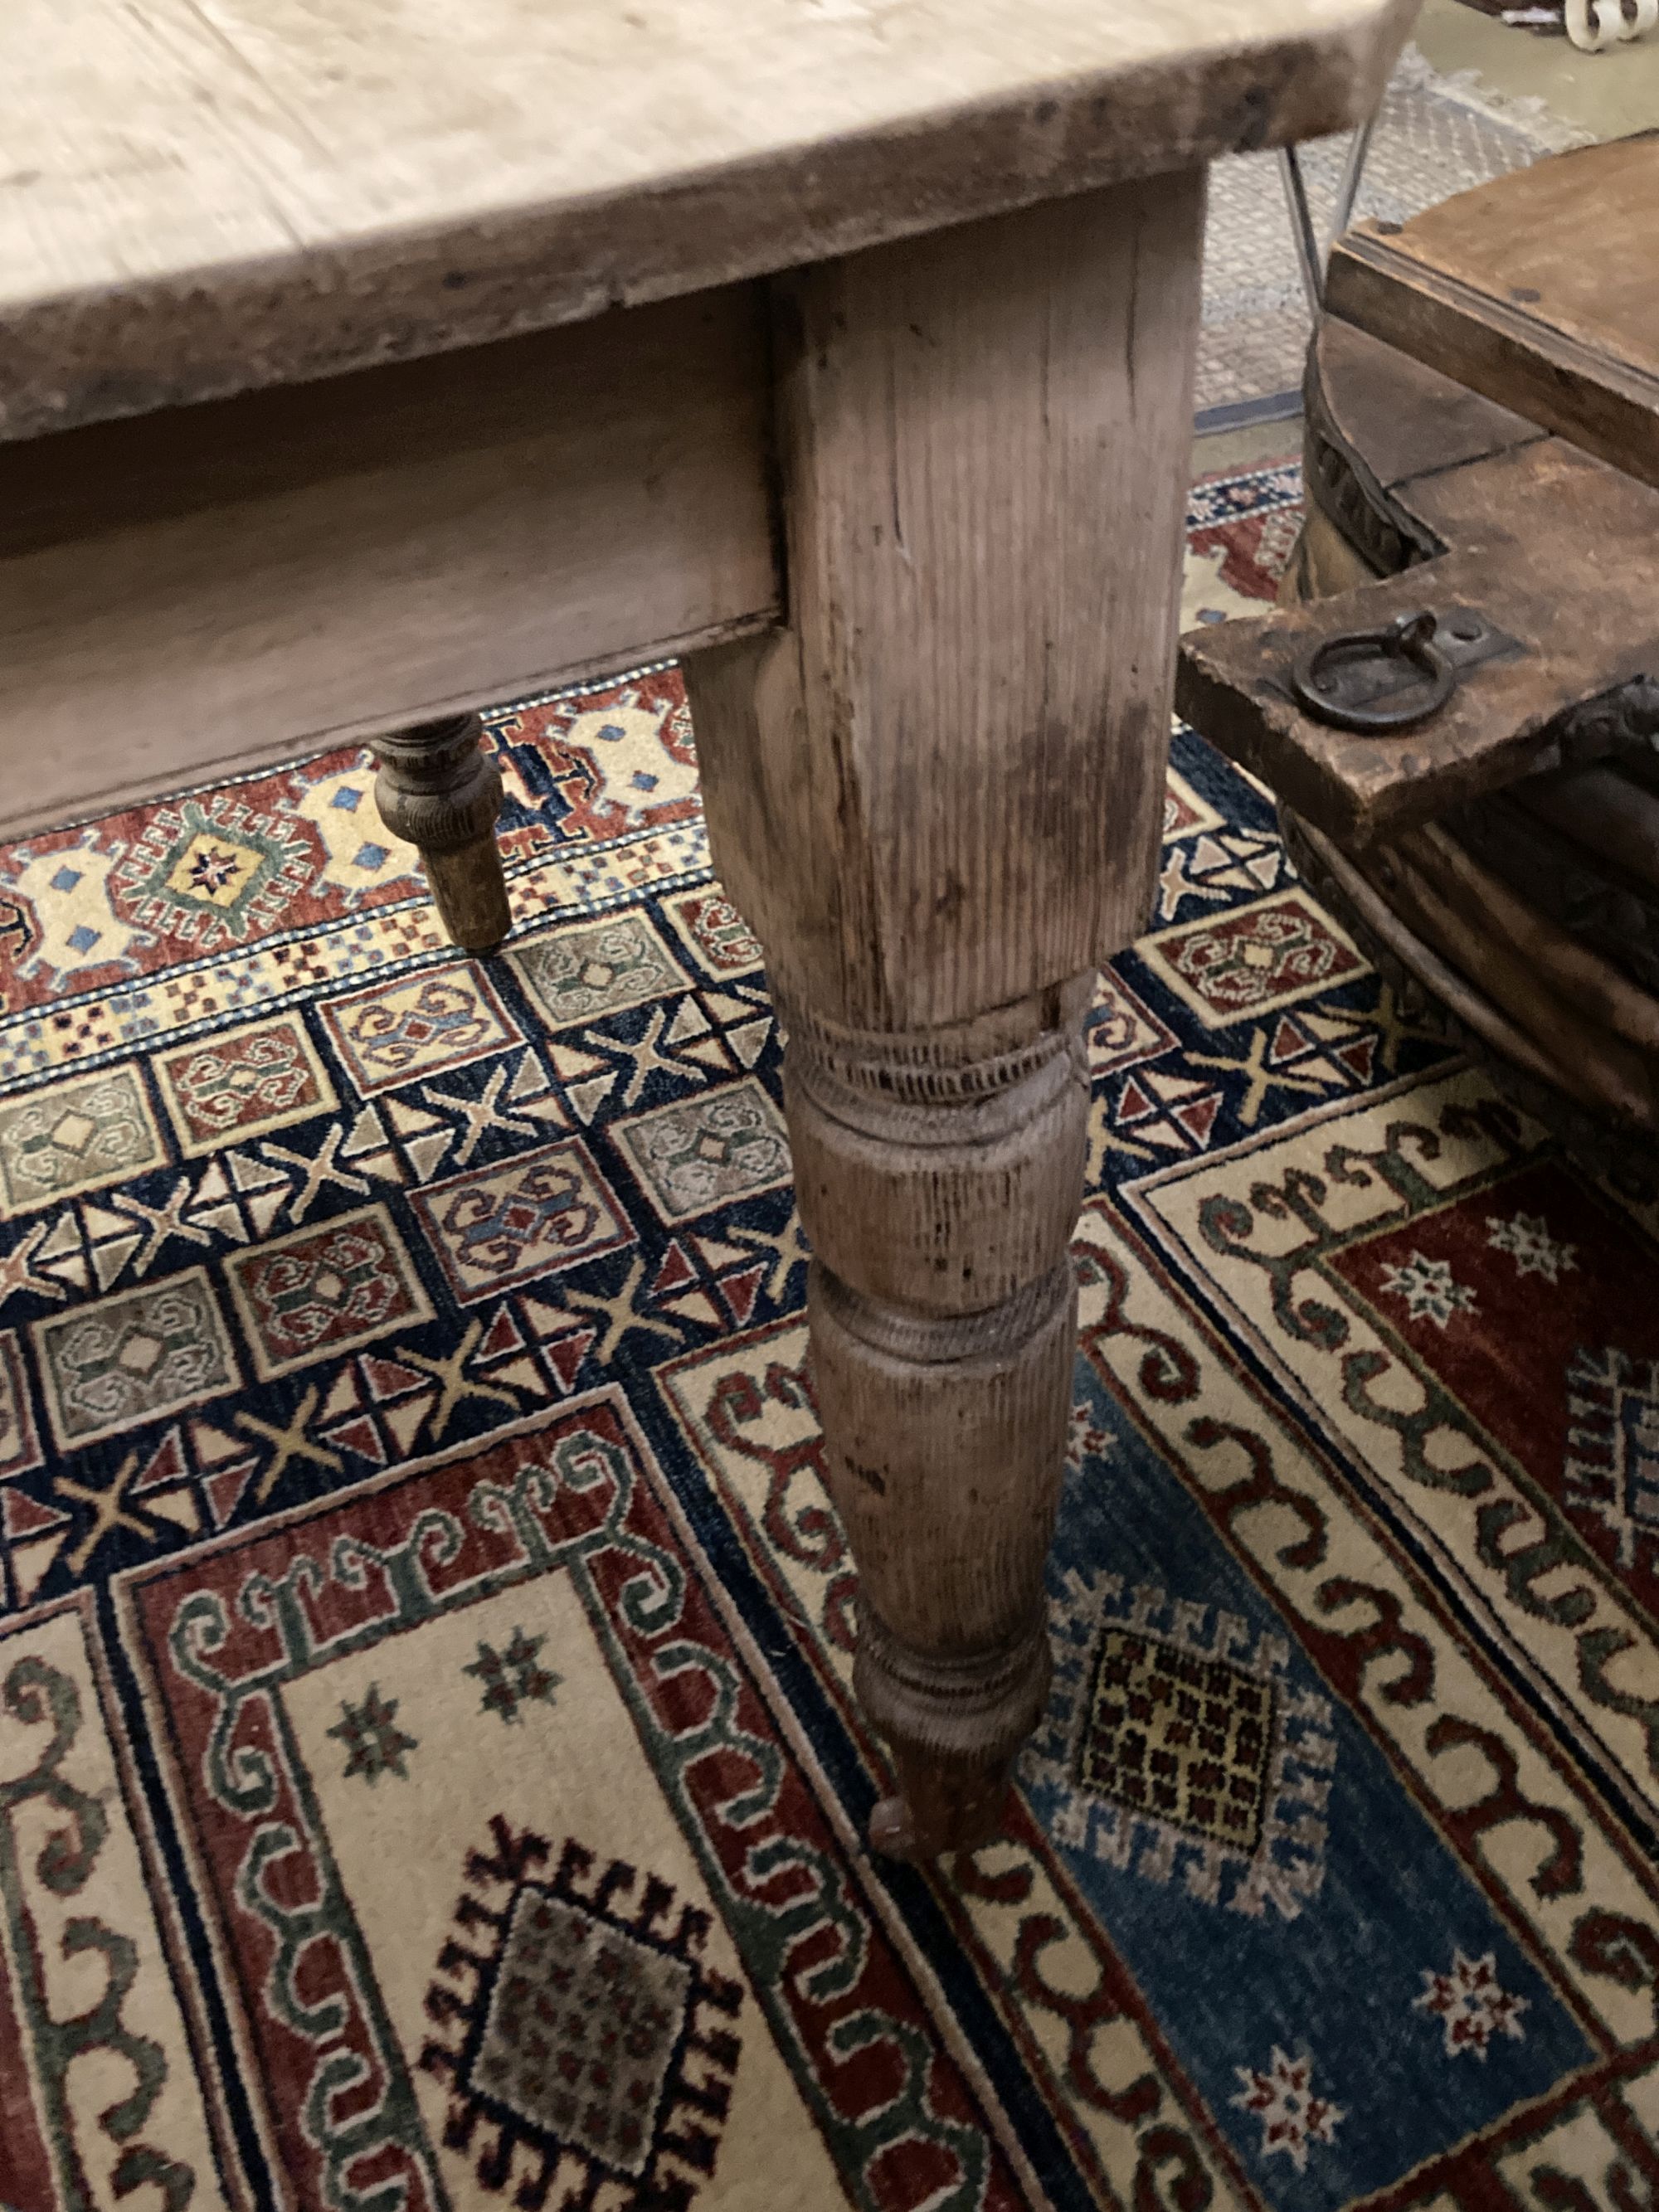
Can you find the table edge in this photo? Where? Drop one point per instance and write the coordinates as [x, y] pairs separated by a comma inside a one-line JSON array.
[[100, 353]]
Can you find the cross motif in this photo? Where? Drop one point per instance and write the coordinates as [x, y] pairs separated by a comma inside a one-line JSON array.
[[159, 1222], [291, 1441], [318, 1173], [455, 1385], [109, 1508], [618, 1311], [480, 1115]]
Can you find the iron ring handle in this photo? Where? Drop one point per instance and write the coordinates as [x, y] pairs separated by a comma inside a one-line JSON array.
[[1409, 637]]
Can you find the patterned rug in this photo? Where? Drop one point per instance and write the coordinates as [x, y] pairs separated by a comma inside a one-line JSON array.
[[428, 1776]]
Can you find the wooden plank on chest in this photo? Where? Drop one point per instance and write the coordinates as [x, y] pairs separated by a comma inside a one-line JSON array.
[[203, 590], [1539, 290], [206, 195]]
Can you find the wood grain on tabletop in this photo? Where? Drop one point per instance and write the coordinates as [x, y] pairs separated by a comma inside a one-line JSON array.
[[204, 195], [1539, 290]]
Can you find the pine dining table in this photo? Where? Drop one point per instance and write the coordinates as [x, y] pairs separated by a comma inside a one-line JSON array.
[[363, 362]]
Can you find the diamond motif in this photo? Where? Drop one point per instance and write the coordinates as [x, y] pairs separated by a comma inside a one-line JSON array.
[[703, 1151], [1184, 1737], [581, 2030], [73, 1132], [205, 873], [215, 869], [597, 968], [244, 1083], [591, 2031], [1184, 1750], [1253, 959], [76, 1136], [325, 1289], [498, 1225], [133, 1358], [140, 1351], [417, 1025]]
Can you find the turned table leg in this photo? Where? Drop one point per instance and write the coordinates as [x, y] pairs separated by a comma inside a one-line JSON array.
[[936, 796], [939, 1178], [440, 792]]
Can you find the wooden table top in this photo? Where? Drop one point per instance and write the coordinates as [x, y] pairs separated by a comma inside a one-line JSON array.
[[201, 195]]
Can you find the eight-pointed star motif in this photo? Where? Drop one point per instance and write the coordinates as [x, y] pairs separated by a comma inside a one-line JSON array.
[[1429, 1290], [1281, 2095], [1527, 1239]]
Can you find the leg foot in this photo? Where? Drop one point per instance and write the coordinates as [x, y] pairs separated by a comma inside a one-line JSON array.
[[954, 1726], [438, 791], [942, 1805]]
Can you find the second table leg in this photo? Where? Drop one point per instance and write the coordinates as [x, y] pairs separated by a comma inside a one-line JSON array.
[[440, 791]]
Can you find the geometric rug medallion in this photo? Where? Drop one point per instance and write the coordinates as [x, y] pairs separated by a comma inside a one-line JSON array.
[[430, 1774]]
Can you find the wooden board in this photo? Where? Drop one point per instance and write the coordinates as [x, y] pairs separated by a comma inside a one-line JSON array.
[[202, 196], [1553, 547], [1538, 291], [189, 594]]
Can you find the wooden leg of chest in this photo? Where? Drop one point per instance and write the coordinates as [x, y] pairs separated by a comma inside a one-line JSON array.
[[937, 797], [440, 792]]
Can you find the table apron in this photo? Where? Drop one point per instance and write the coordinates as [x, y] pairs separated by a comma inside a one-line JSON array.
[[193, 592]]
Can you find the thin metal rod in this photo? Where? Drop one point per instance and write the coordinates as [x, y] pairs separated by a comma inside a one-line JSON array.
[[1354, 171], [1308, 256]]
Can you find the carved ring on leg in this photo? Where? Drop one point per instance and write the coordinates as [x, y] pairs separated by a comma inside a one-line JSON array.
[[440, 792]]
